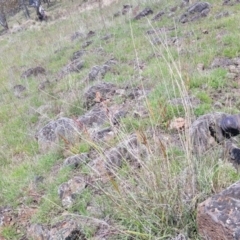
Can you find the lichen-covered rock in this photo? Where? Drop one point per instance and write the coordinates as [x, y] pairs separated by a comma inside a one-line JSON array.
[[218, 217], [61, 130], [69, 190]]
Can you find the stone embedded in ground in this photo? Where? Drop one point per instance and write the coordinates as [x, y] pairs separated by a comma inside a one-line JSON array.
[[221, 62], [77, 55], [126, 9], [74, 66], [86, 44], [106, 90], [76, 160], [69, 190], [67, 229], [43, 85], [147, 11], [19, 90], [37, 232], [204, 131], [33, 72], [98, 71], [218, 217], [195, 12], [61, 130], [158, 16], [76, 35]]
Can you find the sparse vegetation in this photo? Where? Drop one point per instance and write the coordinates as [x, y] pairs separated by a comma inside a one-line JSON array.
[[154, 197]]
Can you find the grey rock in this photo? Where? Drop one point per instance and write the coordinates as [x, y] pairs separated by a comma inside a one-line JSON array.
[[69, 190], [76, 160], [126, 9], [62, 129], [158, 16], [37, 232], [76, 35], [222, 14], [43, 85], [33, 72], [97, 116], [74, 66], [221, 62], [19, 90], [86, 44], [67, 229], [105, 89], [130, 150], [195, 11], [198, 7], [218, 216], [77, 54], [147, 11], [98, 71]]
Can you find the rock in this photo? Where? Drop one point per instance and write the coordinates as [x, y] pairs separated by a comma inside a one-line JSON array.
[[126, 9], [33, 72], [222, 14], [86, 44], [221, 62], [61, 130], [158, 16], [202, 132], [37, 232], [77, 55], [69, 190], [76, 160], [67, 229], [74, 66], [98, 70], [91, 34], [130, 150], [104, 89], [144, 13], [103, 135], [43, 85], [195, 12], [218, 216], [180, 236], [76, 35], [19, 90]]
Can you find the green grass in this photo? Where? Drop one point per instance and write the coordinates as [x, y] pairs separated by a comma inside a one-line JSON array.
[[145, 203]]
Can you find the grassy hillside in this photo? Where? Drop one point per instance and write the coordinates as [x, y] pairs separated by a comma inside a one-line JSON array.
[[158, 199]]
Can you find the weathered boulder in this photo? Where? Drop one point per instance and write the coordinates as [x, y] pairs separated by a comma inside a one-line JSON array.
[[218, 217], [37, 232], [74, 66], [195, 11], [61, 130], [33, 72]]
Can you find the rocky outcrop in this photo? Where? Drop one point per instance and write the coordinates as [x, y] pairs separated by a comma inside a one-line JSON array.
[[61, 130], [219, 216], [195, 12]]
